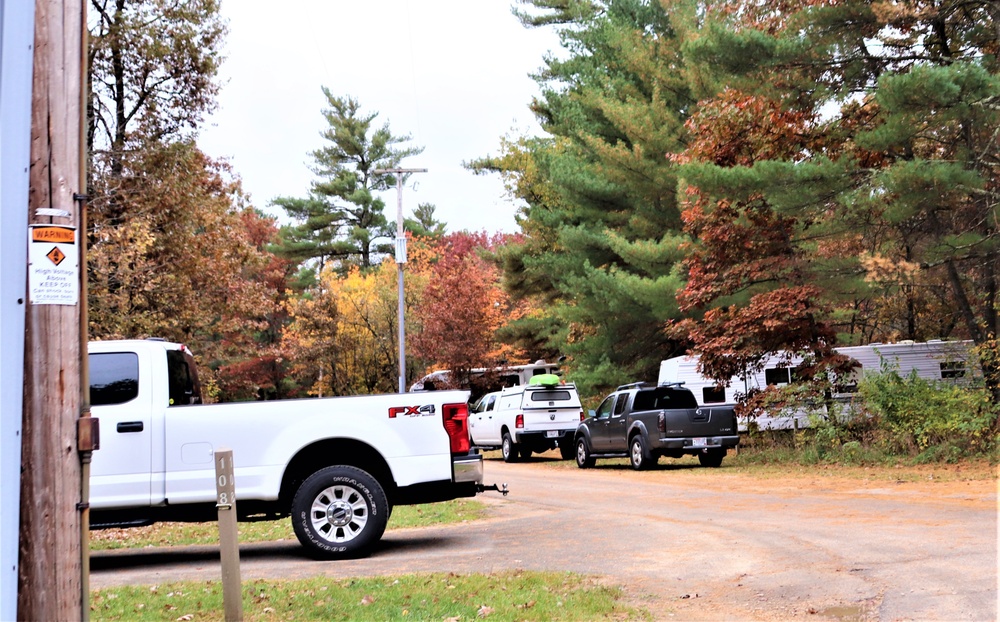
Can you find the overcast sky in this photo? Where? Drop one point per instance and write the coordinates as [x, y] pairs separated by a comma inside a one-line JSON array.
[[454, 74]]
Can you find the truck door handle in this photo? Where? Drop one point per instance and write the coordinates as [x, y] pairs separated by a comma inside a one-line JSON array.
[[129, 426]]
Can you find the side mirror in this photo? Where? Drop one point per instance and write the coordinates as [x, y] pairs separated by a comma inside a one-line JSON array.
[[590, 413]]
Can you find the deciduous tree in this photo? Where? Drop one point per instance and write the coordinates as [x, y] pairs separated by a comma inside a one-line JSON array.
[[903, 176], [153, 76], [182, 266], [463, 306], [253, 366], [341, 340]]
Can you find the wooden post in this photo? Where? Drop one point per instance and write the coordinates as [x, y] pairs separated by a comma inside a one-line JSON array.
[[50, 565], [229, 546]]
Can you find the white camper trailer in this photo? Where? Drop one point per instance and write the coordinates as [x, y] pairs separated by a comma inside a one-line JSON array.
[[507, 376], [932, 360]]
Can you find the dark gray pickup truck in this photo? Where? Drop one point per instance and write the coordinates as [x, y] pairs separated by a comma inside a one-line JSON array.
[[645, 421]]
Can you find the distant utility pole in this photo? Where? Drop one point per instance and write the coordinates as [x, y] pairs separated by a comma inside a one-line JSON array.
[[51, 580], [400, 260]]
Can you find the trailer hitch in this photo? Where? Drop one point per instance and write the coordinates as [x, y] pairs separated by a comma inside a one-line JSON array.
[[502, 488]]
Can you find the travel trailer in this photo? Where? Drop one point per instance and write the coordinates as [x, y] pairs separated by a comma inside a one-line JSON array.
[[932, 360], [499, 377]]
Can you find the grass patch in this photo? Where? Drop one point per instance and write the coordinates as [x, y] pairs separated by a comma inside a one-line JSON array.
[[513, 596], [768, 460], [186, 534]]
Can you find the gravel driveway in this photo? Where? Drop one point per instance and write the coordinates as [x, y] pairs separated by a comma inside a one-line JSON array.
[[687, 543]]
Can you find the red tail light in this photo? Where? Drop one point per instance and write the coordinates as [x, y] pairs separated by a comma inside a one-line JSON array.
[[661, 423], [582, 416], [519, 421], [456, 423]]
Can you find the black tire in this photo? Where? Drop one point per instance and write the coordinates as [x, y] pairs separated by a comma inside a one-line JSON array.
[[638, 453], [525, 452], [584, 459], [712, 458], [566, 450], [509, 449], [339, 512]]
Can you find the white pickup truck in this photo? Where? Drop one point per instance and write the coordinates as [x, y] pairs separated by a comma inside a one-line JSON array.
[[528, 418], [337, 465]]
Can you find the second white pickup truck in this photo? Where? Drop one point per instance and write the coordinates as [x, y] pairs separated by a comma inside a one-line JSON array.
[[337, 466], [528, 418]]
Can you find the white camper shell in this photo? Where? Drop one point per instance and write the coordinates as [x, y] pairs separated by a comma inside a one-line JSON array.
[[947, 361]]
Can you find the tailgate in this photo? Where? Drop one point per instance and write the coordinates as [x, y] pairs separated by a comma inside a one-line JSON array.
[[537, 419], [699, 422]]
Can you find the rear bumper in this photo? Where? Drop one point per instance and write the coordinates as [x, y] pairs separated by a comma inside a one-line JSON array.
[[543, 435], [467, 481], [690, 444], [468, 468]]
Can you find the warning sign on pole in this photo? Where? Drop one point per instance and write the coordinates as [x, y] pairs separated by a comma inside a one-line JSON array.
[[53, 265]]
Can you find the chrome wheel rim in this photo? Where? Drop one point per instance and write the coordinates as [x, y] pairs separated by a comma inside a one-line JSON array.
[[339, 514], [636, 453], [581, 453]]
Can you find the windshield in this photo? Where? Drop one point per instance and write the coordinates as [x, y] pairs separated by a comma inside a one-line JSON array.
[[663, 398]]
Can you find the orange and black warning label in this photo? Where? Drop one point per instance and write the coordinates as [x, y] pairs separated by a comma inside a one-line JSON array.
[[55, 255], [59, 235], [53, 265]]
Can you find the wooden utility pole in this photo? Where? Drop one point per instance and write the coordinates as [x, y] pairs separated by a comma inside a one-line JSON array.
[[50, 560]]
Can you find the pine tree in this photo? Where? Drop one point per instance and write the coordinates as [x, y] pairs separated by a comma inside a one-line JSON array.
[[603, 227], [342, 216]]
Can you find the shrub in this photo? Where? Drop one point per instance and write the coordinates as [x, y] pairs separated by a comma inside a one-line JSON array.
[[891, 417], [915, 415]]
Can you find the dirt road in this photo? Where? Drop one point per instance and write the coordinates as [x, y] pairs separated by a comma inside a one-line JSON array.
[[688, 543]]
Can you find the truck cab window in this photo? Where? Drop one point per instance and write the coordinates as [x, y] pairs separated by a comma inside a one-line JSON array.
[[664, 398], [183, 384], [114, 378], [604, 410], [620, 404]]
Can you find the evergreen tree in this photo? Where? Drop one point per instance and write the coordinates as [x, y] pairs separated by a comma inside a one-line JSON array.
[[603, 229], [424, 223], [342, 216]]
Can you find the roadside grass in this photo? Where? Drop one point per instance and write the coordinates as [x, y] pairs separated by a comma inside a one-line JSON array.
[[186, 534], [776, 461], [506, 596], [772, 462]]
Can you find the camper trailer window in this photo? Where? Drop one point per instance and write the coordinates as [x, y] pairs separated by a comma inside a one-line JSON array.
[[777, 375], [713, 395], [510, 380], [953, 369]]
